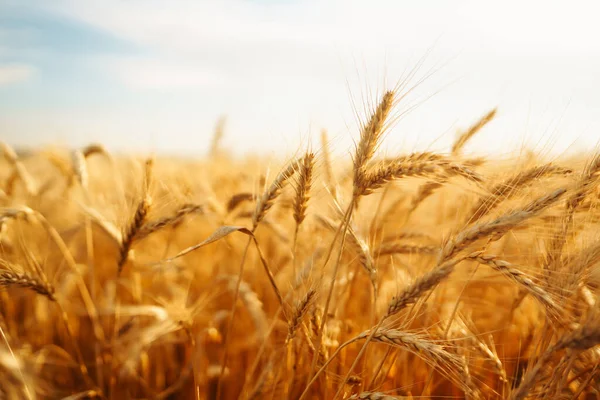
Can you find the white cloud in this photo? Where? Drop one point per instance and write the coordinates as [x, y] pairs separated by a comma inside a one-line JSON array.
[[148, 73], [15, 73]]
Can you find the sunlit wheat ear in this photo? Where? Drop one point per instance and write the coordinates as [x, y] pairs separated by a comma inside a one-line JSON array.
[[469, 133], [66, 169], [583, 338], [402, 248], [92, 149], [369, 141], [415, 165], [138, 220], [587, 183], [20, 170], [433, 352], [513, 273], [26, 281], [80, 168], [374, 396], [265, 202], [173, 220], [330, 180], [303, 186], [462, 331], [301, 308], [512, 186], [412, 293], [495, 229], [237, 199], [572, 279], [11, 213]]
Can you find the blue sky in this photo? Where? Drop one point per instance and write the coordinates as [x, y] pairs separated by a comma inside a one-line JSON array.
[[150, 75]]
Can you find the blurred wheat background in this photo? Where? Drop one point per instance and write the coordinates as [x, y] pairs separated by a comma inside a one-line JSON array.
[[426, 274]]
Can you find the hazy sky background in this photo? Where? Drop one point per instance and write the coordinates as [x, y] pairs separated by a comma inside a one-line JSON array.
[[155, 75]]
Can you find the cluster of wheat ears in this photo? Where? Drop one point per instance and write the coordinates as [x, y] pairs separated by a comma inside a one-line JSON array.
[[421, 275]]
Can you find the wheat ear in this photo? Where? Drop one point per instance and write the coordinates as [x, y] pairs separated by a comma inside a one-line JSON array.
[[92, 149], [370, 137], [495, 229], [327, 166], [374, 396], [136, 223], [587, 182], [20, 170], [429, 350], [80, 168], [171, 220], [9, 277], [415, 165], [300, 310], [509, 187], [26, 281], [305, 172], [469, 133], [400, 248], [513, 273], [266, 201]]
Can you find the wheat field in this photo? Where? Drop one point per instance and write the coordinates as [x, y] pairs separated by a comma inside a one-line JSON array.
[[422, 275]]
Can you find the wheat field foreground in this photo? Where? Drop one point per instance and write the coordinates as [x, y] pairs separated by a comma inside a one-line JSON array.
[[421, 275]]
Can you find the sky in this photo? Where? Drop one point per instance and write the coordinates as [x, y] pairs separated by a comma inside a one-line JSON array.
[[149, 75]]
